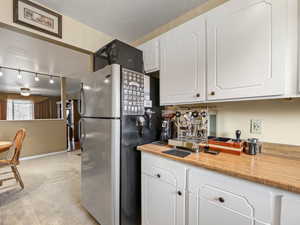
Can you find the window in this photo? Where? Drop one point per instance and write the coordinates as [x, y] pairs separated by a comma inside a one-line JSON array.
[[20, 109]]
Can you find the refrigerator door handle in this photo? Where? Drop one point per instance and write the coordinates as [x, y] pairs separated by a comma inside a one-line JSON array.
[[82, 132], [81, 106]]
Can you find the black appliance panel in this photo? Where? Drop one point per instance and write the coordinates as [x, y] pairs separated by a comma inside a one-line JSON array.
[[133, 93], [131, 137], [117, 52]]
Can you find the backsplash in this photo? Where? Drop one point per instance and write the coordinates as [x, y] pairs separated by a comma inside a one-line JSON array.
[[280, 119]]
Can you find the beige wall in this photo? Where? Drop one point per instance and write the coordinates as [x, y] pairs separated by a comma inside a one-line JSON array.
[[43, 136], [75, 34], [281, 119]]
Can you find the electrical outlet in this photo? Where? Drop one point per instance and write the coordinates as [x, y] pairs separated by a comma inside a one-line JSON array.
[[256, 126]]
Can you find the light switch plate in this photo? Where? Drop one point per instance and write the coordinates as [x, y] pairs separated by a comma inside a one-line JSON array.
[[256, 126]]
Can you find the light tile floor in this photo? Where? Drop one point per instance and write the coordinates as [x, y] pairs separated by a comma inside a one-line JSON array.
[[51, 195]]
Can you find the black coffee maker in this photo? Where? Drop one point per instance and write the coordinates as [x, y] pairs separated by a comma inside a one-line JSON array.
[[167, 128], [166, 131]]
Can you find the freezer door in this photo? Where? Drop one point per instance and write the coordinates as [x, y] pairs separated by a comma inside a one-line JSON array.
[[100, 93], [100, 169]]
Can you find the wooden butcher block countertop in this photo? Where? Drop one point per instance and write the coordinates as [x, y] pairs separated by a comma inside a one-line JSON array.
[[274, 171]]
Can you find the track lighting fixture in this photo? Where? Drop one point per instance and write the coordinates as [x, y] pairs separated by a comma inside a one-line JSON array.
[[37, 76]]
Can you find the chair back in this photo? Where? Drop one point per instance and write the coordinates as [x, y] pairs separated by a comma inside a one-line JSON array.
[[17, 145]]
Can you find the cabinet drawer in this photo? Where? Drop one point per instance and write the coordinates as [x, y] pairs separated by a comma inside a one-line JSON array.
[[164, 175], [168, 170], [239, 195], [226, 199]]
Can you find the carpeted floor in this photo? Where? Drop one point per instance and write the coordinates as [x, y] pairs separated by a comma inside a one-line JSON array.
[[51, 195]]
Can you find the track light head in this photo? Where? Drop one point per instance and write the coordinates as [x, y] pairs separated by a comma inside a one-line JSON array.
[[36, 78], [20, 76], [51, 80]]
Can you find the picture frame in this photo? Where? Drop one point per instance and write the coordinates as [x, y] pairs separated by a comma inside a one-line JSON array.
[[34, 16]]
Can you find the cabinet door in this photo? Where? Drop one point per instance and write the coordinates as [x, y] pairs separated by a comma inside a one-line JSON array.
[[246, 49], [161, 203], [151, 55], [298, 50], [290, 210], [182, 73]]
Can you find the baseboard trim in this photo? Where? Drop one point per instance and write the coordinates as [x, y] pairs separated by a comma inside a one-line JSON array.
[[42, 155]]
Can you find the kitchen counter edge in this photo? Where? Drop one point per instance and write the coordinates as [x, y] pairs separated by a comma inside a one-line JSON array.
[[261, 169]]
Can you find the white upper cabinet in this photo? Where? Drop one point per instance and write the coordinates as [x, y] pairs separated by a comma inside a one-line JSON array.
[[246, 44], [182, 74], [298, 23], [151, 55]]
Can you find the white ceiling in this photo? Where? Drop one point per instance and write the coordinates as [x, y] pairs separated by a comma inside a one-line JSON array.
[[27, 53], [24, 52], [126, 20]]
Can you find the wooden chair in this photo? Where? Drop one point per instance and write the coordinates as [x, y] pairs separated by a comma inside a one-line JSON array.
[[14, 161]]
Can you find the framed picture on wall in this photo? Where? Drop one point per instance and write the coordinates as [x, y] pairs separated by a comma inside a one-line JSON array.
[[29, 14]]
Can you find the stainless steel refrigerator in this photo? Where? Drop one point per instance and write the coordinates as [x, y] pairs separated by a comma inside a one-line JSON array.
[[120, 110]]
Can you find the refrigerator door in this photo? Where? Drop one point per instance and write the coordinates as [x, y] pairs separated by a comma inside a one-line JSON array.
[[100, 169], [130, 213], [100, 93]]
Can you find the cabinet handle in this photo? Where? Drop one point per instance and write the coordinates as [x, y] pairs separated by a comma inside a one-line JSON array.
[[179, 193], [222, 200], [158, 175], [198, 95], [212, 93]]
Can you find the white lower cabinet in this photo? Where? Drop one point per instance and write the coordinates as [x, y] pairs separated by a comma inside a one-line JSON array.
[[220, 199], [163, 193], [290, 210], [161, 202], [175, 193], [209, 213]]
